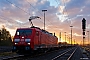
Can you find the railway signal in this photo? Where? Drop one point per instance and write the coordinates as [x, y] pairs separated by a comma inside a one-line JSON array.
[[83, 28], [83, 24]]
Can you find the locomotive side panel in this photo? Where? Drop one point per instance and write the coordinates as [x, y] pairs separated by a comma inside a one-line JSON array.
[[48, 40], [36, 38], [43, 40], [53, 41]]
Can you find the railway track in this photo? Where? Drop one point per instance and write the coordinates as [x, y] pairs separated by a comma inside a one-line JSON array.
[[12, 56], [86, 51], [48, 55], [5, 49], [86, 48], [60, 54], [67, 55]]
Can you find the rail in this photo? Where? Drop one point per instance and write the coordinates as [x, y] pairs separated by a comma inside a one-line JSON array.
[[72, 54], [64, 54]]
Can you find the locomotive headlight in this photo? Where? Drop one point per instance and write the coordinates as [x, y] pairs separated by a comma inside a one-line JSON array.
[[16, 40], [27, 40], [28, 43], [16, 43]]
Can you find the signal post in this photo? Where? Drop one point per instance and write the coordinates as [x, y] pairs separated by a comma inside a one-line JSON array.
[[83, 29]]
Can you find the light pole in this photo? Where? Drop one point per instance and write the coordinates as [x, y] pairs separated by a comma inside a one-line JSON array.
[[69, 40], [71, 34], [65, 36], [74, 41], [60, 36], [88, 37], [44, 17]]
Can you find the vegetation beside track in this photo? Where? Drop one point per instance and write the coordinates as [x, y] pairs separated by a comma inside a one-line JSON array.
[[7, 54]]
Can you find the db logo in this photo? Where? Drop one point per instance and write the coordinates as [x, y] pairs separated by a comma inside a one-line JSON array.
[[21, 42]]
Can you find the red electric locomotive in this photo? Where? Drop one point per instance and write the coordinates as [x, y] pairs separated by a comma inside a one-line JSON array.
[[32, 39]]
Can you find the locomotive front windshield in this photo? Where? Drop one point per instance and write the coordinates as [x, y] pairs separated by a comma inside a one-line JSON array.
[[24, 32]]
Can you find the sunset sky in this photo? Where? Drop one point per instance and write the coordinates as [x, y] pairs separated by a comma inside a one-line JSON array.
[[60, 15]]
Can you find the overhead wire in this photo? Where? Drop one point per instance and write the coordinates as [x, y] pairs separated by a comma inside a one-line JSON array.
[[20, 8], [17, 7], [11, 19], [39, 12], [66, 10], [25, 11], [5, 18]]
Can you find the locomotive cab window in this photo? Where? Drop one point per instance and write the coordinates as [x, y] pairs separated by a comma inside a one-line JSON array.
[[24, 32], [37, 33], [17, 33]]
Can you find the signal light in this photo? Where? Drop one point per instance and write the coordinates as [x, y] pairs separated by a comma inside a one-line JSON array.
[[83, 33], [83, 23]]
